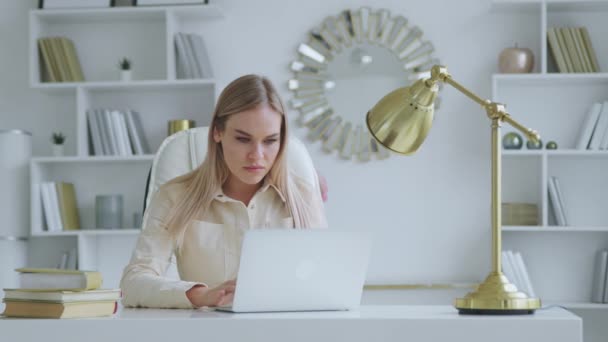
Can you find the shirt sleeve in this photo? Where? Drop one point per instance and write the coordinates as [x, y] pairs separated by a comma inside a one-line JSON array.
[[143, 282]]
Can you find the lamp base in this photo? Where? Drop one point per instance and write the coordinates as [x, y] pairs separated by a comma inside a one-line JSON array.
[[496, 296]]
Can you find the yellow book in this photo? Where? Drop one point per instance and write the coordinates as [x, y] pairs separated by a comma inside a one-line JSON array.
[[72, 59], [571, 47], [78, 74], [66, 59], [589, 47], [62, 296], [46, 71], [59, 59], [32, 309], [581, 51], [45, 279], [66, 198], [53, 59], [556, 50], [562, 44]]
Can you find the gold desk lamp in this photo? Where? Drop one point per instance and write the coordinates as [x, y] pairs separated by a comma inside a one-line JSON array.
[[401, 122]]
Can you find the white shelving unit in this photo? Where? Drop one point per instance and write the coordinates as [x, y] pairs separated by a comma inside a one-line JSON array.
[[560, 259], [102, 37]]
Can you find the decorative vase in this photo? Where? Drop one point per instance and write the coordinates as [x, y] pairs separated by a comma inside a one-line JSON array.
[[551, 145], [512, 141], [108, 211], [531, 145], [125, 75], [515, 60], [174, 126], [58, 150]]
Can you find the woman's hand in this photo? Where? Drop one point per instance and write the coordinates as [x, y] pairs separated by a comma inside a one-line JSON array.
[[221, 295]]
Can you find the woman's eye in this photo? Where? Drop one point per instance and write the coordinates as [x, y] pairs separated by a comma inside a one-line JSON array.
[[242, 139], [270, 141]]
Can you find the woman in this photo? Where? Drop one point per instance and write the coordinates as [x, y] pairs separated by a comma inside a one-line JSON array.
[[244, 183]]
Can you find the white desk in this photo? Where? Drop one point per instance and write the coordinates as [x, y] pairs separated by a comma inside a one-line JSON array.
[[369, 323]]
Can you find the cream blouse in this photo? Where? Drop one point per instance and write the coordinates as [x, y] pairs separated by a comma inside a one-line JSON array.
[[210, 252]]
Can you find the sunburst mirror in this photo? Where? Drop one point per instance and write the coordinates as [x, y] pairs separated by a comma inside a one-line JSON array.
[[349, 63]]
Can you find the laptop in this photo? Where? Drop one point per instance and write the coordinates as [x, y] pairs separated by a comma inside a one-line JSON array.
[[300, 270]]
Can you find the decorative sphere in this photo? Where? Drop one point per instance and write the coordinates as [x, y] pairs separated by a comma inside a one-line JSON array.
[[551, 145], [512, 141], [531, 145], [514, 60]]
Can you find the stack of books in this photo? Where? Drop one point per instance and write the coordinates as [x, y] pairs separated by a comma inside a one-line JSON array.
[[59, 206], [192, 59], [594, 130], [116, 133], [59, 60], [557, 201], [515, 270], [55, 293], [599, 291], [572, 49]]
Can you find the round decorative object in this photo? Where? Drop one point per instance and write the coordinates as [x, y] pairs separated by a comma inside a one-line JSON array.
[[347, 65], [531, 145], [512, 141], [515, 60], [551, 145]]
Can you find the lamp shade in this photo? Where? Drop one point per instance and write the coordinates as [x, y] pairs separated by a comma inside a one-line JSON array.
[[401, 120]]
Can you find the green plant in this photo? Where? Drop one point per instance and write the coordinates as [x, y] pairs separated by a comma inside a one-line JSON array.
[[124, 63], [58, 138]]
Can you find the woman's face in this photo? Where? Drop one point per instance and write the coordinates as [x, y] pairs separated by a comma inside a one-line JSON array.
[[251, 142]]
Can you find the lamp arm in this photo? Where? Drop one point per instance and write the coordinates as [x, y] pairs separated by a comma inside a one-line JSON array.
[[494, 110]]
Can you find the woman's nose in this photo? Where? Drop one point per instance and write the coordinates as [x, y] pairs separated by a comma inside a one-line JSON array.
[[256, 152]]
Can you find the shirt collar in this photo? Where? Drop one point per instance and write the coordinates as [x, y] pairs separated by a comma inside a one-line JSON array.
[[220, 196]]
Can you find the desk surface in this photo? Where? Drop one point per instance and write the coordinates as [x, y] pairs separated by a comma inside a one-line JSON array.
[[378, 323]]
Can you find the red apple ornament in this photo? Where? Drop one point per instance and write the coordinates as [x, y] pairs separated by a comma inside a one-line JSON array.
[[515, 60]]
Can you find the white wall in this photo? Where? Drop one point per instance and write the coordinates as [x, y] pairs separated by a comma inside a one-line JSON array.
[[430, 211]]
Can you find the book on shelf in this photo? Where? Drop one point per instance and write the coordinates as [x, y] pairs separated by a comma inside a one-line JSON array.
[[600, 128], [192, 59], [58, 279], [572, 50], [588, 126], [116, 132], [37, 309], [62, 296], [59, 60], [598, 290], [68, 260], [590, 50], [556, 200], [514, 268], [59, 206]]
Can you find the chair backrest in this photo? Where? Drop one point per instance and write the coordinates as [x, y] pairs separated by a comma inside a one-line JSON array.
[[183, 151]]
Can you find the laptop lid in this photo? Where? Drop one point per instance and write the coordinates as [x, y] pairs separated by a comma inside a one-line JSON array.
[[301, 270]]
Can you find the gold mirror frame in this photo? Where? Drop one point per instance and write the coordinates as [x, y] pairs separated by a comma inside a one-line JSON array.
[[311, 79]]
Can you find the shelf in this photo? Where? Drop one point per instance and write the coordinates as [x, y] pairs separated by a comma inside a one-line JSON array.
[[89, 232], [93, 159], [564, 153], [84, 15], [547, 229], [551, 79], [62, 87], [577, 305]]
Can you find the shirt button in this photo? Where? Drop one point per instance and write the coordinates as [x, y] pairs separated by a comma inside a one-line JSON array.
[[252, 207]]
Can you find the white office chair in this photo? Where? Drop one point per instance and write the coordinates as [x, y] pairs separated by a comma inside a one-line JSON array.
[[183, 151]]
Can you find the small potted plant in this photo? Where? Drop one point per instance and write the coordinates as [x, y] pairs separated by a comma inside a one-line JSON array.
[[58, 139], [125, 68]]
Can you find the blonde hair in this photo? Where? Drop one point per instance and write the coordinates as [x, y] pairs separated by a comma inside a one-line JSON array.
[[203, 183]]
